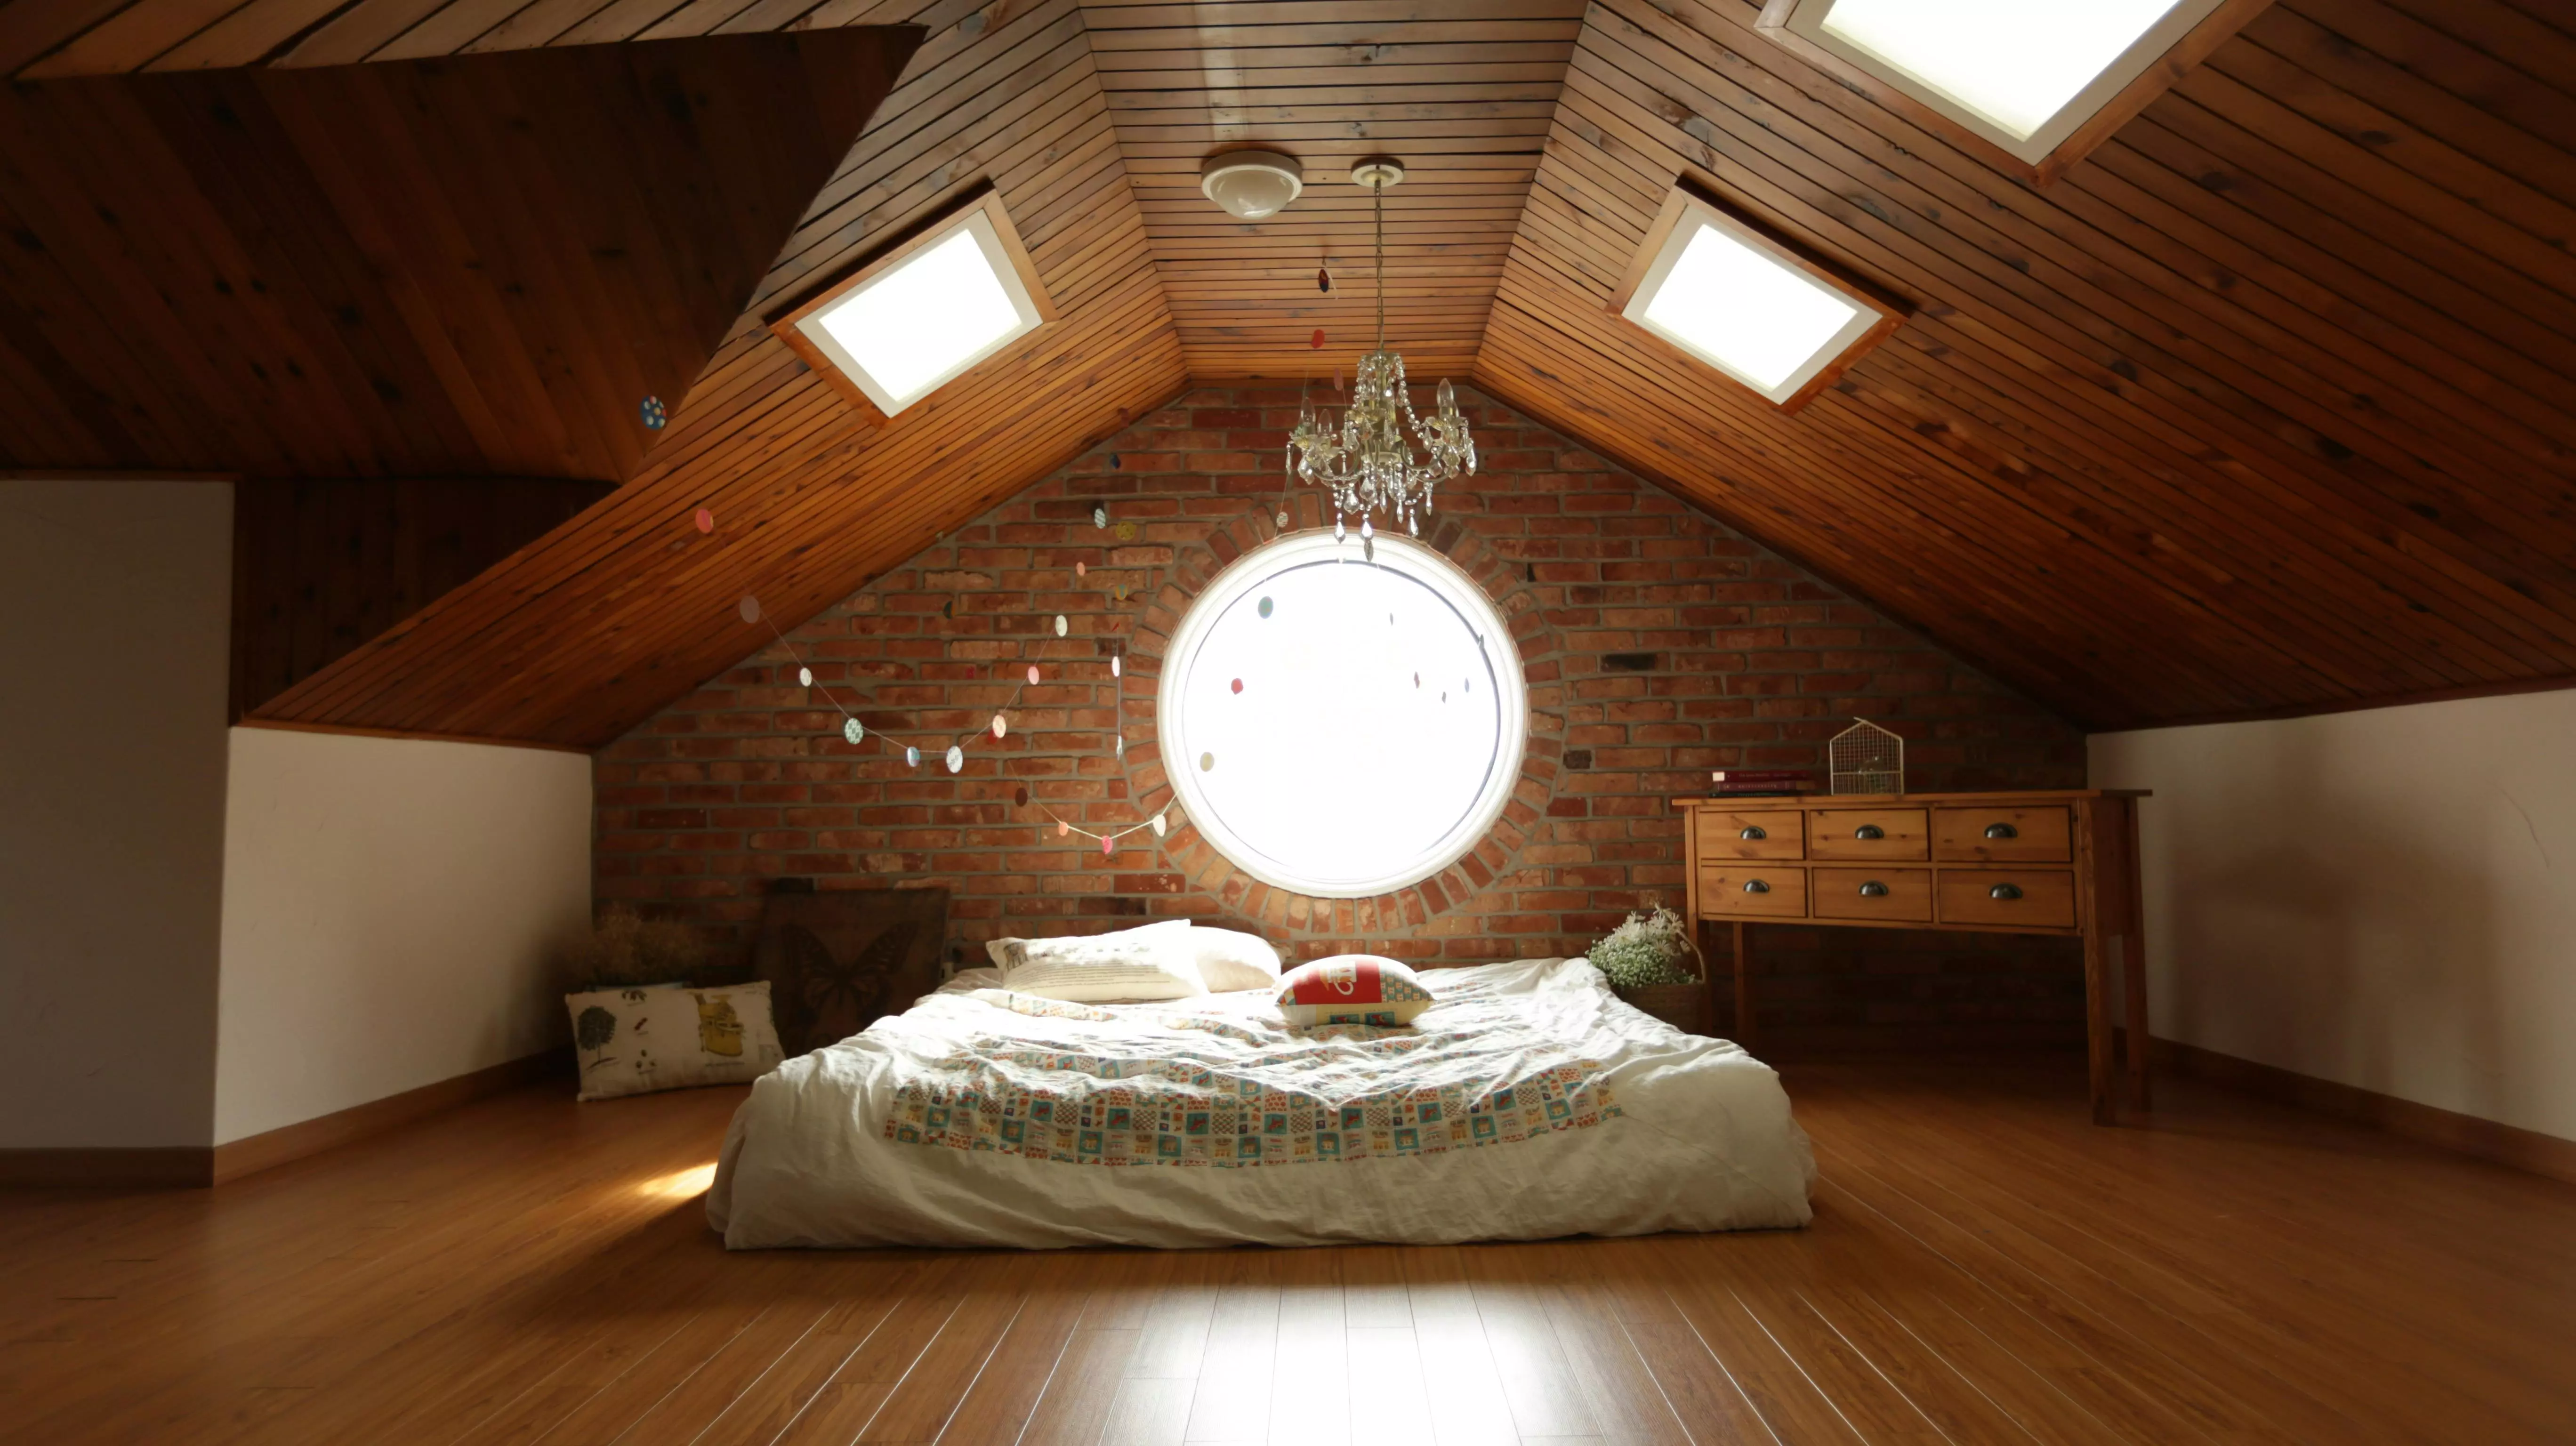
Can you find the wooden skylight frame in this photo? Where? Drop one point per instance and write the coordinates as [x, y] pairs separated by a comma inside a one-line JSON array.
[[2165, 54], [1683, 211], [983, 205]]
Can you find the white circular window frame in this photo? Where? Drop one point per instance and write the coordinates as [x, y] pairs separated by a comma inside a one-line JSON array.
[[1445, 580]]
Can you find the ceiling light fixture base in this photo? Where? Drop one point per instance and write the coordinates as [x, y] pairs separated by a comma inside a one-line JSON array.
[[1377, 173]]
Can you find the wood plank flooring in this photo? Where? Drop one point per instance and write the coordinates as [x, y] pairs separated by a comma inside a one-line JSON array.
[[1984, 1267]]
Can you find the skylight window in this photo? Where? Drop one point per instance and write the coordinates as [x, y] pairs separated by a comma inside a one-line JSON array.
[[2015, 62], [2043, 81], [1747, 305], [912, 320]]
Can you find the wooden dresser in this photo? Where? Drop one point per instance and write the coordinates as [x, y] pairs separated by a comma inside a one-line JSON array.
[[2015, 863]]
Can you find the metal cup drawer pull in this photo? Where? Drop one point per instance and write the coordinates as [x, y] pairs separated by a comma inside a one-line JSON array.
[[1754, 831], [1873, 890], [1756, 886], [1869, 830], [2004, 891], [2002, 830]]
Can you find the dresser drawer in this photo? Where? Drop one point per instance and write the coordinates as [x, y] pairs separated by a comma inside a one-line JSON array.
[[1752, 833], [1868, 833], [1893, 894], [1753, 891], [2017, 898], [2036, 835]]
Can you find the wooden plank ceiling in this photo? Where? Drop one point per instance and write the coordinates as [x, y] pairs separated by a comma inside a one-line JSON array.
[[1462, 93], [429, 268], [2267, 405]]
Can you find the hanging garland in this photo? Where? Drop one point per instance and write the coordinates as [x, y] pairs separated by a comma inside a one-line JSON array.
[[855, 733]]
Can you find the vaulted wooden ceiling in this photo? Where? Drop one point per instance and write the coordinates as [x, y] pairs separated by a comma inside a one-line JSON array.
[[2264, 406], [427, 268]]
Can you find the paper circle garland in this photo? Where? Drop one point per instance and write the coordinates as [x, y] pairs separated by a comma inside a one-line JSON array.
[[956, 758], [1082, 569], [912, 758], [1283, 517], [1062, 828], [1113, 665], [1105, 847], [1020, 796], [1100, 514], [851, 730], [1265, 607], [1158, 825], [1122, 747], [1317, 341], [1238, 685], [706, 520], [1061, 626], [1207, 762], [804, 677], [1033, 674], [651, 410], [749, 607], [999, 727]]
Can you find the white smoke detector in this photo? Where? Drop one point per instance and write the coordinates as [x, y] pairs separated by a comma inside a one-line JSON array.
[[1251, 185]]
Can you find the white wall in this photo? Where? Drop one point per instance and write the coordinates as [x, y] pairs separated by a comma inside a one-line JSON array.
[[389, 906], [115, 602], [2384, 898]]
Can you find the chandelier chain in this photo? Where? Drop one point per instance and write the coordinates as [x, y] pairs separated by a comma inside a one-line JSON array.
[[1366, 461]]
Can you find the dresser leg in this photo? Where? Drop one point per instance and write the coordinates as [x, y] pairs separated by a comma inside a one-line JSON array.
[[2133, 981], [2133, 960], [2099, 1069], [1743, 988]]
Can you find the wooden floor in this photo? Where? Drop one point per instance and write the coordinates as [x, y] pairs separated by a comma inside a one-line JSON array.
[[1984, 1267]]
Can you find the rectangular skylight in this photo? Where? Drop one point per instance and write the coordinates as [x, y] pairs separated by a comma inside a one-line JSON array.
[[916, 318], [1746, 305], [2024, 74]]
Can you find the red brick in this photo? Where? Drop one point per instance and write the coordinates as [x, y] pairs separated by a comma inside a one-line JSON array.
[[746, 779]]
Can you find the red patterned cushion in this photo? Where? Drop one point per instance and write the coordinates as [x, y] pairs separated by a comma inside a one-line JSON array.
[[1352, 989]]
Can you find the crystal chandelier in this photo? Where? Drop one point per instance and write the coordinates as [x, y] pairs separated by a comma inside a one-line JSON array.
[[1366, 462]]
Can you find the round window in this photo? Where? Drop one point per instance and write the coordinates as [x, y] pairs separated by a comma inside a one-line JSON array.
[[1338, 727]]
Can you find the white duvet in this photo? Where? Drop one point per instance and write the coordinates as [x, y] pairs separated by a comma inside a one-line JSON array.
[[1527, 1103]]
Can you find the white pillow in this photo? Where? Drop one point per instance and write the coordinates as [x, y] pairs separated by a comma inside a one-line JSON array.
[[1232, 959], [635, 1041], [1153, 962]]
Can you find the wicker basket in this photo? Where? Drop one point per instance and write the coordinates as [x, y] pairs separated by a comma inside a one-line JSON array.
[[1686, 1007], [1683, 1006]]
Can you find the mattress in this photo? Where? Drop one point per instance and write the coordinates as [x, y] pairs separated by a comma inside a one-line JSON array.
[[1528, 1102]]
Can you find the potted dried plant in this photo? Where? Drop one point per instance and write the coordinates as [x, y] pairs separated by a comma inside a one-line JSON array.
[[625, 950], [1653, 964]]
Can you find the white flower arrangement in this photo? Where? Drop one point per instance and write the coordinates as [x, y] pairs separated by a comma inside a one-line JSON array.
[[1648, 949]]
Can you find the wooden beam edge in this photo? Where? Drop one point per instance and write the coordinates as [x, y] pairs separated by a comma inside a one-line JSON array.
[[351, 730], [2461, 694]]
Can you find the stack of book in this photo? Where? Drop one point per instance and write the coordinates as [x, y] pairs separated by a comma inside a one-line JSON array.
[[1760, 782]]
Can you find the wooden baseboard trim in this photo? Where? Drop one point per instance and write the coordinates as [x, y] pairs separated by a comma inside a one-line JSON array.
[[198, 1166], [173, 1167], [2485, 1139], [272, 1148]]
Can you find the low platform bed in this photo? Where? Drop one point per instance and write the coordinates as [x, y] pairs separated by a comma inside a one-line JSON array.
[[1528, 1102]]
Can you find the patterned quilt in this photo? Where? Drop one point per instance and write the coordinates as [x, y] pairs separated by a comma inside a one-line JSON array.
[[1223, 1083]]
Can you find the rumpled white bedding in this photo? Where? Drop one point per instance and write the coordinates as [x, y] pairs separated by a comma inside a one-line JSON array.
[[1610, 1123]]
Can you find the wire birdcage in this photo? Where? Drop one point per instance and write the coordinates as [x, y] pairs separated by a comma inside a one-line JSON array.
[[1866, 758]]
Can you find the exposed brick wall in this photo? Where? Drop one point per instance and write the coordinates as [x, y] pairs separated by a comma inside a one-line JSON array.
[[1755, 663]]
